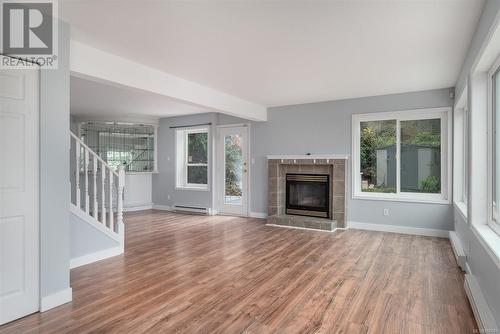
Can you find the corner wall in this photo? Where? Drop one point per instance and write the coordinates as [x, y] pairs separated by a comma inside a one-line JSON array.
[[54, 173], [480, 262]]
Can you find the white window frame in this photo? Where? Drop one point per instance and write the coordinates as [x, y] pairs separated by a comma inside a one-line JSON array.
[[461, 154], [493, 220], [418, 114], [181, 159]]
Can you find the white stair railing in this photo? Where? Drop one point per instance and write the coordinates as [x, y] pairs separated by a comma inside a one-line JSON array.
[[101, 197]]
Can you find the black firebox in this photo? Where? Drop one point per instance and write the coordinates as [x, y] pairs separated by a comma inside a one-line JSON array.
[[308, 195]]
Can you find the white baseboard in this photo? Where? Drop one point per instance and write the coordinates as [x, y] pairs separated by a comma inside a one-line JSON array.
[[162, 207], [141, 207], [262, 215], [484, 318], [94, 257], [399, 229], [56, 299]]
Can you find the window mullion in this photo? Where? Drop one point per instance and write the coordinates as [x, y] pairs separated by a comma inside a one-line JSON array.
[[398, 156]]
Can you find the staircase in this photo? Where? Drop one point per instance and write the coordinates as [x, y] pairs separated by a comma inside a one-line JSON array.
[[96, 194]]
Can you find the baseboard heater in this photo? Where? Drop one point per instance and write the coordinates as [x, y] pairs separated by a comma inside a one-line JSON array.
[[484, 318], [458, 250], [192, 209]]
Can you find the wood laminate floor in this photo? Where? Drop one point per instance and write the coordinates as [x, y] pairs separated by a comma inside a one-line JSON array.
[[200, 274]]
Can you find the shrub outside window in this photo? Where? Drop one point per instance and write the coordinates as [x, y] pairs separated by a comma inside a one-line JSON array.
[[401, 155], [192, 155]]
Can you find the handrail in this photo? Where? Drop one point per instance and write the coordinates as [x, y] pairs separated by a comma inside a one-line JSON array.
[[93, 153], [97, 202]]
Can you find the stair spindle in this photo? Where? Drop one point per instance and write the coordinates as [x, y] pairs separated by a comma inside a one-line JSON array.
[[86, 170], [119, 213], [77, 175], [111, 218], [103, 194], [95, 208]]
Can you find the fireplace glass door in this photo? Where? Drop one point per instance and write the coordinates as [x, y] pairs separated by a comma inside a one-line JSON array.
[[307, 195]]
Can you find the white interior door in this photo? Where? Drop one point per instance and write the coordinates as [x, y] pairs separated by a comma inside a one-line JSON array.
[[19, 226], [233, 168]]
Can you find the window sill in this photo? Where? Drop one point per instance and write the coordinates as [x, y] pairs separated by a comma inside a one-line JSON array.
[[384, 197], [192, 188], [490, 241], [461, 208]]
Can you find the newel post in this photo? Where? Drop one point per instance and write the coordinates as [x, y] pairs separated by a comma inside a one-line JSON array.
[[121, 186]]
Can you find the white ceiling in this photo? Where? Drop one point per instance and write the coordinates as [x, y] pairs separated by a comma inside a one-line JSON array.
[[287, 52], [96, 99]]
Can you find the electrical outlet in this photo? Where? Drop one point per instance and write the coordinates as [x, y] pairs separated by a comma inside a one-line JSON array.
[[386, 212]]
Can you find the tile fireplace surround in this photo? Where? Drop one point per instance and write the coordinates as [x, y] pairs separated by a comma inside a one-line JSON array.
[[333, 165]]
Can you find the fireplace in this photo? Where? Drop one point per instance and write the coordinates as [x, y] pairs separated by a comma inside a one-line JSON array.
[[308, 195]]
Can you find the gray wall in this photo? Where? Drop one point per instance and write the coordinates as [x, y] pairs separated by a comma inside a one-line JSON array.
[[480, 262], [54, 172], [317, 128], [86, 239], [325, 128], [164, 181]]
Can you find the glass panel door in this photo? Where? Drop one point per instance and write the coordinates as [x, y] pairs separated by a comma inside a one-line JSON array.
[[233, 169], [233, 174]]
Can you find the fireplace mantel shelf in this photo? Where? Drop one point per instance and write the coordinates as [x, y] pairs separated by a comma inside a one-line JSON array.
[[304, 156]]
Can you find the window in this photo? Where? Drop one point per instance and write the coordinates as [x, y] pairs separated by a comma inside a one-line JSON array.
[[461, 155], [401, 155], [131, 145], [465, 156], [494, 154], [192, 158]]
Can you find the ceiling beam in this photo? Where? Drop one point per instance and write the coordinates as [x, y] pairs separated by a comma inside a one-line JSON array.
[[89, 62]]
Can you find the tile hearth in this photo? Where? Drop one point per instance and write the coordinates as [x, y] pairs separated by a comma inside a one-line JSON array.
[[280, 166]]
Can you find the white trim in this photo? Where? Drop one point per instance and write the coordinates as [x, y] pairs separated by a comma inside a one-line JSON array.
[[228, 209], [262, 215], [443, 113], [315, 156], [181, 158], [301, 228], [140, 207], [128, 120], [162, 207], [94, 257], [461, 208], [399, 229], [406, 197], [458, 250], [489, 240], [56, 299], [482, 313], [492, 221]]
